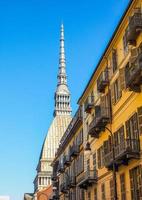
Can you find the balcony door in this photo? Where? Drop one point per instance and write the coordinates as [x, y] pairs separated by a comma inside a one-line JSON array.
[[132, 132], [136, 183]]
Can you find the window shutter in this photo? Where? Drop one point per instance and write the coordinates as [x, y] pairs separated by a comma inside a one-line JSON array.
[[140, 119], [110, 69], [111, 189], [112, 94], [122, 78], [122, 134], [135, 127], [114, 60], [116, 138], [102, 156], [99, 158], [134, 54], [122, 186], [109, 147], [127, 129], [105, 147], [119, 88], [102, 103], [139, 178]]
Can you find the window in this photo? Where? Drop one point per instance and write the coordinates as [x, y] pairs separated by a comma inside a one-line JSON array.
[[95, 194], [39, 180], [73, 195], [140, 119], [122, 185], [114, 60], [125, 46], [80, 194], [103, 191], [87, 126], [119, 136], [116, 91], [80, 138], [94, 162], [80, 164], [132, 131], [89, 195], [100, 156], [88, 164], [111, 190], [136, 183]]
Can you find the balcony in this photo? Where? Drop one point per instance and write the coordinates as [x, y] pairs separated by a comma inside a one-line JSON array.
[[101, 119], [64, 188], [133, 73], [102, 81], [74, 151], [72, 182], [89, 104], [66, 160], [128, 149], [87, 179], [134, 28]]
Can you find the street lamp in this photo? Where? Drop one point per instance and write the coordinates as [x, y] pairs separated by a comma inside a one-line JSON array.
[[88, 150]]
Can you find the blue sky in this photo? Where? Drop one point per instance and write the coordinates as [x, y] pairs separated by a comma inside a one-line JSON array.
[[29, 48]]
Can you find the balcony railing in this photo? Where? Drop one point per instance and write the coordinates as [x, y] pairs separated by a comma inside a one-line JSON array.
[[87, 179], [89, 104], [102, 81], [133, 74], [134, 28], [74, 151], [101, 119], [66, 160], [126, 150]]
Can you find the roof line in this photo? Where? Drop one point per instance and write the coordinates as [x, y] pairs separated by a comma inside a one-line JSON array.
[[111, 39]]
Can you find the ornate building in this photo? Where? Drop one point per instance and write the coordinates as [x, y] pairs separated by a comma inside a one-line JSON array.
[[62, 117]]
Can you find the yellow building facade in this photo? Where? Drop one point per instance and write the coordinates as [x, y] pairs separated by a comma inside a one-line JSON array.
[[100, 154]]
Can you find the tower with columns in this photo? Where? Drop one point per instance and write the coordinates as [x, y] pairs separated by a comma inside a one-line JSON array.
[[61, 120]]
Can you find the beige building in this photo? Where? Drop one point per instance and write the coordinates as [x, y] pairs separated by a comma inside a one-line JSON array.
[[62, 117]]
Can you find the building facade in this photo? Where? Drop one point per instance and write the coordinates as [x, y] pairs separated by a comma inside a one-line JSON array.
[[100, 158], [62, 117]]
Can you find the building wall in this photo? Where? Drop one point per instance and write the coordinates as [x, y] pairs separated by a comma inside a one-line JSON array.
[[123, 101]]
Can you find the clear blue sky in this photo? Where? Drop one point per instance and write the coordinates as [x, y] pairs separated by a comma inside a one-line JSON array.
[[29, 47]]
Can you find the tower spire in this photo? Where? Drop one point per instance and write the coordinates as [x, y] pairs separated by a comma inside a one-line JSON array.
[[62, 94], [62, 78]]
